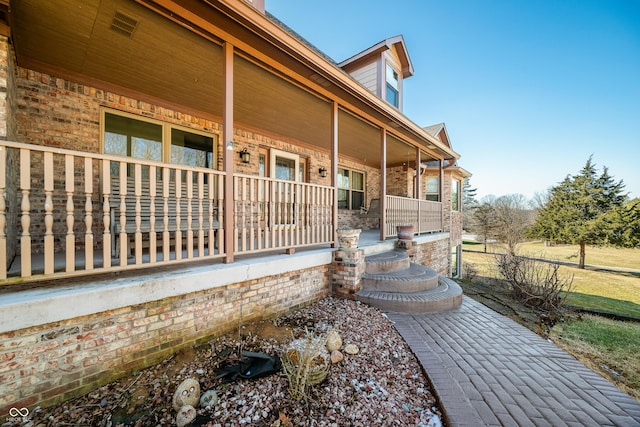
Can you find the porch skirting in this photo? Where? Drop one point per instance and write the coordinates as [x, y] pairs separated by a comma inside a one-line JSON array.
[[59, 343]]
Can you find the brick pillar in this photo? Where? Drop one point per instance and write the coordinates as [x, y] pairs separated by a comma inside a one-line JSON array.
[[408, 246], [347, 269]]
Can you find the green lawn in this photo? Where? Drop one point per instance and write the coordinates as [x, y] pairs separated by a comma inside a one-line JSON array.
[[594, 289], [604, 256], [611, 347]]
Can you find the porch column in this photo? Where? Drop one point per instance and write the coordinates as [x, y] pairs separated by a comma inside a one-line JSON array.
[[417, 192], [227, 140], [441, 191], [334, 170], [383, 184]]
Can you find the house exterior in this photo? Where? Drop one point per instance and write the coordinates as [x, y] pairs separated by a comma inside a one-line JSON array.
[[170, 169]]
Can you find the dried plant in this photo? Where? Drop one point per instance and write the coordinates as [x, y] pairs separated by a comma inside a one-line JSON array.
[[535, 283], [305, 363]]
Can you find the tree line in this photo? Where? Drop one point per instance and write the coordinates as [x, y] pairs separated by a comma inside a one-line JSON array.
[[588, 208]]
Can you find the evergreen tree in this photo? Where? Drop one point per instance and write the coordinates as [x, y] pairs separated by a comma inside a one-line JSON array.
[[469, 204], [622, 225], [576, 208]]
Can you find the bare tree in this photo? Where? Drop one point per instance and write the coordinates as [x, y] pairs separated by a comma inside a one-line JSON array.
[[513, 218]]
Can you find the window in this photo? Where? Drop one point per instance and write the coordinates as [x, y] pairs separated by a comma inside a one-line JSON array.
[[191, 149], [433, 189], [350, 189], [133, 136], [455, 195], [285, 166], [393, 87]]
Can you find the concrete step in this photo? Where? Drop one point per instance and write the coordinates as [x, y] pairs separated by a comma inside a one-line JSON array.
[[445, 296], [386, 262], [415, 278]]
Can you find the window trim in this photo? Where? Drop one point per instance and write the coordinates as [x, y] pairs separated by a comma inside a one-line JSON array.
[[274, 153], [389, 84], [166, 133], [350, 189]]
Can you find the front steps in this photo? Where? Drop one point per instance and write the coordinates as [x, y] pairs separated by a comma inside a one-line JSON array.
[[392, 283]]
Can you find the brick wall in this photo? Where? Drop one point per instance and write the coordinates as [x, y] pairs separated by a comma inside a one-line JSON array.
[[8, 131], [46, 364], [434, 255]]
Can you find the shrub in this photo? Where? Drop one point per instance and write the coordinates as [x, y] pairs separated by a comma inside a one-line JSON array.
[[535, 283], [470, 271]]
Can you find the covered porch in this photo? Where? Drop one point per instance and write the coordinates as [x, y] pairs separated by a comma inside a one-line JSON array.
[[236, 138], [100, 214]]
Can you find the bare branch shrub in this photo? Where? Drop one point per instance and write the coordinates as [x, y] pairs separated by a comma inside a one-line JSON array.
[[470, 271], [535, 283], [305, 362]]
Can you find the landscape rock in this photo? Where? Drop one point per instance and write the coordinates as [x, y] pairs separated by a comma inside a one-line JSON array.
[[208, 398], [187, 393], [351, 349], [186, 414], [334, 341], [336, 357]]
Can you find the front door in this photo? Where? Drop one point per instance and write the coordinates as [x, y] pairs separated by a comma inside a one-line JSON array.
[[285, 169]]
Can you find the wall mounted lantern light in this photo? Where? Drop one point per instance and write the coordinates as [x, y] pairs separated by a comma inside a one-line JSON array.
[[323, 172], [245, 156]]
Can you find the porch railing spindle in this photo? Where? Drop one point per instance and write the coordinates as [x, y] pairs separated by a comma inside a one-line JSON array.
[[88, 216], [106, 211], [137, 192], [49, 252], [153, 244], [189, 178], [178, 184], [122, 240], [166, 235], [25, 208]]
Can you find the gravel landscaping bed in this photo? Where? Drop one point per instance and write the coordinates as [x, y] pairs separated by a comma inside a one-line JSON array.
[[381, 385]]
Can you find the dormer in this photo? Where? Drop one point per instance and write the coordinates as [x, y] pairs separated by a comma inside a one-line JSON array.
[[382, 68], [439, 131]]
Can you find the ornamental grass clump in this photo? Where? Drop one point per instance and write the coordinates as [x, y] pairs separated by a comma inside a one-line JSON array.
[[305, 362]]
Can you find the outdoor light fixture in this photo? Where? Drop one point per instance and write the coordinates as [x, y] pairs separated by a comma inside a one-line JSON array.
[[245, 155], [323, 172]]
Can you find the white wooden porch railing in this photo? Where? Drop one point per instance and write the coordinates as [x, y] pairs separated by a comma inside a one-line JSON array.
[[424, 215], [68, 213]]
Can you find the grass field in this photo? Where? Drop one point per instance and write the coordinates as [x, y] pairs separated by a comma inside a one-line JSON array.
[[605, 256], [609, 347], [593, 288]]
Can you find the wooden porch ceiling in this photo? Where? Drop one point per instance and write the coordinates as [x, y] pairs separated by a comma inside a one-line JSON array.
[[123, 46]]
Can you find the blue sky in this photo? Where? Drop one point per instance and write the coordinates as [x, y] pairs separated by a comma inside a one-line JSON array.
[[528, 89]]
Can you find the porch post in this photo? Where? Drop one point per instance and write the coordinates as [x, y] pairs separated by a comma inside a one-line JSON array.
[[334, 170], [417, 191], [383, 184], [441, 195], [227, 140]]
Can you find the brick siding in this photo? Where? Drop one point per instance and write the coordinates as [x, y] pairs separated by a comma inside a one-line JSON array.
[[47, 364]]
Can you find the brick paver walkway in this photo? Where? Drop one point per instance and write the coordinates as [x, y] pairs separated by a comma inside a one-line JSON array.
[[490, 371]]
